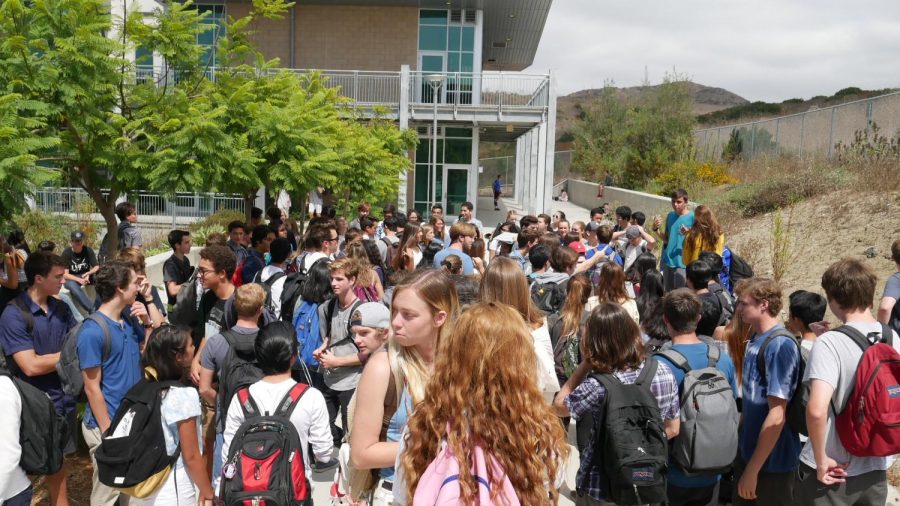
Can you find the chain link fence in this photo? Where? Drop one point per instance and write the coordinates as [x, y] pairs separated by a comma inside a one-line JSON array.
[[505, 166], [817, 132]]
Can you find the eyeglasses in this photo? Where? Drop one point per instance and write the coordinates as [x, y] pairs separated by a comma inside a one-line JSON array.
[[203, 272]]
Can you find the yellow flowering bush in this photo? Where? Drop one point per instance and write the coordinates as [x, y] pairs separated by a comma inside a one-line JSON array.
[[690, 173]]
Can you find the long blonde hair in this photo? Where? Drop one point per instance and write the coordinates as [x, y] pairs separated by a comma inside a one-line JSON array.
[[706, 228], [484, 392], [434, 288], [504, 282]]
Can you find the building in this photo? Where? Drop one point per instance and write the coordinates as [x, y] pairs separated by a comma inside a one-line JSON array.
[[455, 64]]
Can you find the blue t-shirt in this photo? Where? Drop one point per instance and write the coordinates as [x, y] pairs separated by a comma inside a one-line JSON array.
[[607, 250], [121, 369], [252, 265], [696, 355], [497, 185], [50, 330], [782, 368], [672, 254], [468, 265]]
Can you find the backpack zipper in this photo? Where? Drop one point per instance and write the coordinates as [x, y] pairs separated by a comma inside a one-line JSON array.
[[862, 397]]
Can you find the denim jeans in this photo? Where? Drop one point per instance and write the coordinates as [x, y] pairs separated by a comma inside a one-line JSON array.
[[79, 296]]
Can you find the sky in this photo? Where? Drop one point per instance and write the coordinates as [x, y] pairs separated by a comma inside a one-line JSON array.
[[769, 50]]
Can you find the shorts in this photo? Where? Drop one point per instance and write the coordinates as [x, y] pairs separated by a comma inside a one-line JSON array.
[[209, 421], [72, 425], [315, 208]]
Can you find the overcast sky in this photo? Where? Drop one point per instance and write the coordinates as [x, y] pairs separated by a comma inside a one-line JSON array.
[[768, 50]]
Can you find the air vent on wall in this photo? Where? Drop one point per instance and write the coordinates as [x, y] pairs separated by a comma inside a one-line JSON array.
[[470, 15], [425, 131], [456, 16], [499, 45]]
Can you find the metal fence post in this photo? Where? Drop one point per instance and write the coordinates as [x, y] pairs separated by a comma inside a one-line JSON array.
[[752, 140], [831, 132], [802, 127], [718, 145], [777, 144]]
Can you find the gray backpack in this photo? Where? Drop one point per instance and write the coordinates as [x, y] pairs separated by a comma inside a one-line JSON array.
[[708, 440]]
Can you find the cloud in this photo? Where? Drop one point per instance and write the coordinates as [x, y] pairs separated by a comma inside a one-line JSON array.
[[765, 50]]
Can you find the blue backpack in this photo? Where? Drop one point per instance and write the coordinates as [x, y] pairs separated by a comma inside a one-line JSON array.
[[734, 269], [306, 323]]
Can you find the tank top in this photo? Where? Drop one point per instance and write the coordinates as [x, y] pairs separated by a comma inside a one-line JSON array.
[[395, 430]]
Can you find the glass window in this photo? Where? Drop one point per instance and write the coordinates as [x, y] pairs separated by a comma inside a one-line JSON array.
[[459, 151], [453, 42], [465, 133], [432, 17], [466, 63], [433, 38], [143, 57], [468, 38], [452, 62]]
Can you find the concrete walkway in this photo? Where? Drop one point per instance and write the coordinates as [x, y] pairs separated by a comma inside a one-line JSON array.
[[490, 218]]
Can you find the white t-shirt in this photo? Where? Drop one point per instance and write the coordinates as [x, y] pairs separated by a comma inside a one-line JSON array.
[[13, 479], [548, 383], [277, 287], [834, 359], [632, 252], [310, 417]]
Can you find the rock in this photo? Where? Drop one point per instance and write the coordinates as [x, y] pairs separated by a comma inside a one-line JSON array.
[[870, 252]]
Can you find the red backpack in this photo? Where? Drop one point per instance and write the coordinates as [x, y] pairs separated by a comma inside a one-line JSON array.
[[869, 425], [265, 461], [237, 279]]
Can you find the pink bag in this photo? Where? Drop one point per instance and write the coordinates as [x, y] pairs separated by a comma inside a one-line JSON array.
[[439, 486]]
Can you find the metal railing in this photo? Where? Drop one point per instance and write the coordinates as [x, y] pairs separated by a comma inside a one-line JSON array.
[[817, 132], [181, 205]]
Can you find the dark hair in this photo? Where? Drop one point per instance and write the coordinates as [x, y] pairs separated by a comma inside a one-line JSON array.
[[162, 349], [40, 263], [391, 223], [604, 234], [430, 251], [639, 218], [176, 236], [46, 246], [112, 275], [17, 239], [256, 213], [713, 259], [280, 250], [366, 222], [221, 258], [373, 254], [710, 314], [529, 220], [468, 205], [612, 340], [681, 308], [389, 209], [259, 234], [623, 212], [401, 220], [652, 322], [546, 217], [236, 224], [700, 273], [317, 287], [316, 237], [680, 193], [644, 263], [850, 283], [895, 251], [652, 290], [526, 237], [275, 346], [452, 264], [437, 206], [124, 210], [809, 307], [274, 214], [596, 210], [563, 259], [539, 255]]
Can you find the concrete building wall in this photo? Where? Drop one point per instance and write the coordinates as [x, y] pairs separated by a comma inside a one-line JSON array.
[[349, 37]]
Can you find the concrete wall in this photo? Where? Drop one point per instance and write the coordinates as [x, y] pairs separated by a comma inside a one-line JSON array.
[[584, 194], [155, 267]]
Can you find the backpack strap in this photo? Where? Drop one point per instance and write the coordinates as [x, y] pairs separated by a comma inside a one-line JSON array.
[[647, 373], [887, 336], [248, 405], [712, 354], [761, 355], [677, 359], [290, 400], [104, 328], [273, 278], [26, 313]]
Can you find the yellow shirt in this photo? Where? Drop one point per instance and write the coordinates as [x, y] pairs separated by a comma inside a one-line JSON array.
[[692, 248]]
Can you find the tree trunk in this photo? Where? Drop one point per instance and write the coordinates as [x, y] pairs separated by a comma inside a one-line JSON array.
[[248, 206]]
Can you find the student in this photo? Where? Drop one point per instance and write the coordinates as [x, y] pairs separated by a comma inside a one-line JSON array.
[[148, 295], [107, 380], [362, 211], [889, 310], [623, 218], [498, 190], [280, 249], [236, 233], [678, 222], [423, 307], [389, 238], [276, 353], [260, 239], [525, 241], [681, 311], [466, 216], [611, 344], [82, 264], [177, 268], [33, 354], [604, 244], [15, 487], [462, 235], [768, 452], [409, 253], [503, 283], [128, 233], [321, 241], [169, 353], [609, 286], [484, 348], [248, 302], [699, 274], [338, 357], [828, 473], [705, 235], [804, 309]]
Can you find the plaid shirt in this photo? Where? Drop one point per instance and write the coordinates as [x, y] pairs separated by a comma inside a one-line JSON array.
[[588, 399]]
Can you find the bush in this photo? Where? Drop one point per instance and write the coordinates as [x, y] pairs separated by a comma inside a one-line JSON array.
[[784, 183], [689, 173], [217, 222], [42, 226]]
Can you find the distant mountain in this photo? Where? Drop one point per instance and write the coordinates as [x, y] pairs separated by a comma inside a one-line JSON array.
[[706, 100]]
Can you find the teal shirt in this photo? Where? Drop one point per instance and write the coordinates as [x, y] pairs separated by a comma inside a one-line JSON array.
[[672, 254]]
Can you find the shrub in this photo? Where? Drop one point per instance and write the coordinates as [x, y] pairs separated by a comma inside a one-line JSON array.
[[43, 226], [689, 173], [218, 220]]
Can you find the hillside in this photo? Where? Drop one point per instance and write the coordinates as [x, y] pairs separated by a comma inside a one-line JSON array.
[[706, 100]]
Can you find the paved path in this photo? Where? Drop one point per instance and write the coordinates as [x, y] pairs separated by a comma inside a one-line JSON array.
[[490, 218]]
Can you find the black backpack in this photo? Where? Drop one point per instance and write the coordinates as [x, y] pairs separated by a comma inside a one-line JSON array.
[[725, 302], [796, 408], [42, 432], [290, 294], [739, 269], [267, 287], [265, 460], [239, 369], [133, 455], [630, 444], [549, 297], [894, 321], [184, 312]]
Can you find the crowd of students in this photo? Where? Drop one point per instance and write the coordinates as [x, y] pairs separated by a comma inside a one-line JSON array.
[[435, 361]]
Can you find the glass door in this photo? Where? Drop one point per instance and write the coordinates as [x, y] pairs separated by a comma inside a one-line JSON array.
[[431, 62], [456, 182]]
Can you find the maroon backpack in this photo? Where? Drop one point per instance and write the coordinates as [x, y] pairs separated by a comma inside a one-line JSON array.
[[869, 425], [265, 461]]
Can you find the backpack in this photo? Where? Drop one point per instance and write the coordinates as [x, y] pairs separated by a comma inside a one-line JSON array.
[[239, 369], [329, 314], [366, 293], [726, 302], [42, 430], [796, 408], [308, 326], [184, 312], [237, 279], [103, 254], [392, 251], [290, 294], [708, 440], [439, 484], [69, 368], [566, 353], [869, 425], [132, 456], [630, 441], [734, 269], [894, 321], [265, 461], [267, 287], [549, 297]]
